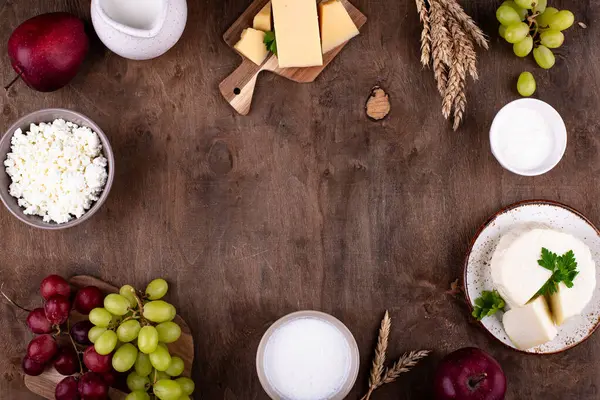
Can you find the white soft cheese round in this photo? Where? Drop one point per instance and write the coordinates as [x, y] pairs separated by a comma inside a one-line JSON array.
[[518, 277], [57, 170]]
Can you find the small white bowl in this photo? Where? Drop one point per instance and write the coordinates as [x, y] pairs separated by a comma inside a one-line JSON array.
[[352, 374], [506, 116]]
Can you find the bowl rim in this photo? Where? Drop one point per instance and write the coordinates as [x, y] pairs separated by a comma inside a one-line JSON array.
[[107, 152], [344, 330], [560, 128], [488, 222]]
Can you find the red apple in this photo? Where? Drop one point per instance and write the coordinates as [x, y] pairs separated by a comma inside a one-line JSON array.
[[46, 51], [469, 374]]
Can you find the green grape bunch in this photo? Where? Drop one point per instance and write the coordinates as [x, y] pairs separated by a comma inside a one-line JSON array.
[[533, 27], [135, 328]]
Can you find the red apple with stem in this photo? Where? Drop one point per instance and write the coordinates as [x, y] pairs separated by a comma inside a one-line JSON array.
[[469, 374], [46, 51]]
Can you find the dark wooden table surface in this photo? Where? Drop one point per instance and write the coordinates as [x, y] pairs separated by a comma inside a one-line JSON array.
[[305, 203]]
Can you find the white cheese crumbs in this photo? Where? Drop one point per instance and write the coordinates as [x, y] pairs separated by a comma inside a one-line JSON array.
[[57, 170]]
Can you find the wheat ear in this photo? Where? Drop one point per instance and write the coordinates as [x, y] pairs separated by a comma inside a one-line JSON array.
[[466, 21], [425, 33], [441, 46], [376, 376]]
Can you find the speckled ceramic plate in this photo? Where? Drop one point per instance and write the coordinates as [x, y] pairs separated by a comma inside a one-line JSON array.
[[478, 277]]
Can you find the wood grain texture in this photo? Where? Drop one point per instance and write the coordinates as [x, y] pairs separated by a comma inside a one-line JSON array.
[[238, 87], [305, 203], [45, 383]]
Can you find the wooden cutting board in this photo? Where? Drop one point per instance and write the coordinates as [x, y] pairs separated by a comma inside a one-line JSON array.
[[45, 384], [238, 87]]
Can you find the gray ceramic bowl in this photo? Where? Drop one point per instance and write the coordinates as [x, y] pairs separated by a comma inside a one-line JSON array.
[[49, 115]]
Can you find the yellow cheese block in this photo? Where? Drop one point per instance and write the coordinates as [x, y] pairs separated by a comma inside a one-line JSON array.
[[252, 45], [336, 25], [297, 33], [262, 20]]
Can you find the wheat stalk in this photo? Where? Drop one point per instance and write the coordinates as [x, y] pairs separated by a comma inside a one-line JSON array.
[[380, 375], [463, 47], [467, 22], [425, 33], [378, 365]]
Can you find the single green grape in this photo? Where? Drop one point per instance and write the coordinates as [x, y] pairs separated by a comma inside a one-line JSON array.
[[136, 382], [142, 365], [160, 358], [552, 39], [100, 317], [187, 385], [544, 57], [176, 367], [138, 395], [524, 47], [527, 4], [516, 32], [124, 358], [116, 304], [526, 84], [172, 312], [544, 19], [520, 10], [507, 15], [128, 292], [502, 31], [157, 289], [159, 375], [147, 339], [167, 390], [540, 7], [106, 343], [128, 330], [158, 311], [168, 332], [562, 20], [95, 332]]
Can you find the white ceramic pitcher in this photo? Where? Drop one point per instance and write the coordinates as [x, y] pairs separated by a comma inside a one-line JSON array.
[[139, 29]]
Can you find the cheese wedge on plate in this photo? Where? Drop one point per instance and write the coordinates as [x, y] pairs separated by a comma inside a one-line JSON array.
[[569, 302], [262, 20], [297, 33], [336, 25], [252, 45], [531, 325]]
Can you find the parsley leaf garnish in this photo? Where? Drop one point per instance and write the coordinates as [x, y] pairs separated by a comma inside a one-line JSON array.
[[270, 42], [564, 269], [489, 303]]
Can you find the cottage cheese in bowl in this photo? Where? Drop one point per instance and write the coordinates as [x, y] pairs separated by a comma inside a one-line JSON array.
[[57, 170]]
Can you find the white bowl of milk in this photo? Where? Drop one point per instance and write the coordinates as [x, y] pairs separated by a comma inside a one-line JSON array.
[[307, 355], [528, 137]]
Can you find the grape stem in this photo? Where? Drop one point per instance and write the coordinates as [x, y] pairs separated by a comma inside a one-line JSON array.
[[74, 346], [12, 301]]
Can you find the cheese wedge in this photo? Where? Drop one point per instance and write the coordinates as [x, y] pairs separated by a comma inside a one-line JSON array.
[[569, 302], [531, 325], [252, 45], [515, 270], [297, 33], [336, 25], [262, 20]]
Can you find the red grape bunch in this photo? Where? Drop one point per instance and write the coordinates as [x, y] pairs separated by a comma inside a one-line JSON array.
[[60, 344]]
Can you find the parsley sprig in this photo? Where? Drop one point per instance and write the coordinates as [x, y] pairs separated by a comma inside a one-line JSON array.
[[270, 42], [564, 269], [489, 303]]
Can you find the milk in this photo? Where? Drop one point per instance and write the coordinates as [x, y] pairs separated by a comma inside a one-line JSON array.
[[307, 359]]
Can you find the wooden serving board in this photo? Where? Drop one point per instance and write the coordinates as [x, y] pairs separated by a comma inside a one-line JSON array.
[[238, 87], [45, 384]]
